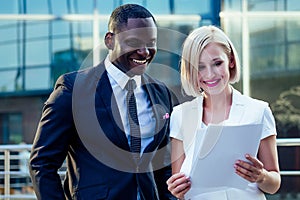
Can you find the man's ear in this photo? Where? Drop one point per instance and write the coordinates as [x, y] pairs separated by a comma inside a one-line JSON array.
[[109, 40]]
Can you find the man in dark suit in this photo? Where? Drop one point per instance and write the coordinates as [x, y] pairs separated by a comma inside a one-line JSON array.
[[86, 121]]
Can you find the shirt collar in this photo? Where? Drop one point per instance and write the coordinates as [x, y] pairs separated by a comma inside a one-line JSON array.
[[120, 77]]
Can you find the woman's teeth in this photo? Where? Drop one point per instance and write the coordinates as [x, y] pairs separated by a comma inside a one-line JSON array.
[[211, 82]]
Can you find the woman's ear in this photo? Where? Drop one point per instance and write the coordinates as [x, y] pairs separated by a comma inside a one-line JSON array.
[[231, 61], [109, 40]]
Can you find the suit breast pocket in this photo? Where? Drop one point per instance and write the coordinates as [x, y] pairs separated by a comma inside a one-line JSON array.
[[95, 192]]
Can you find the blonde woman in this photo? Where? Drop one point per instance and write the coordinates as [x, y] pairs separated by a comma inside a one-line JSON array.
[[209, 66]]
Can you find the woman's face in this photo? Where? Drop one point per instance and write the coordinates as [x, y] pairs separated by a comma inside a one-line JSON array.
[[213, 69]]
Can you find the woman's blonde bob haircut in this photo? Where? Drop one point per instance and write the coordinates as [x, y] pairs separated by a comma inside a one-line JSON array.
[[193, 46]]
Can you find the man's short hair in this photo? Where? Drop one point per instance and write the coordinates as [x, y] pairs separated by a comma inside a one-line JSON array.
[[121, 14]]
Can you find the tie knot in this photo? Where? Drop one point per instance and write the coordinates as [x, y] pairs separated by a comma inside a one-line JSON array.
[[131, 85]]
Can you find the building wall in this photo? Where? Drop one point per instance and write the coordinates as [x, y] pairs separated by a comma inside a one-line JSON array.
[[30, 108]]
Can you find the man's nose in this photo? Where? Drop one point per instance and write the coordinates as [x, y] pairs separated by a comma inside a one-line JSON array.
[[144, 51]]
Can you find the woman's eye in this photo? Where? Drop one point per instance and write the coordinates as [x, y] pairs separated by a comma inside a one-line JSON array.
[[218, 63], [201, 67]]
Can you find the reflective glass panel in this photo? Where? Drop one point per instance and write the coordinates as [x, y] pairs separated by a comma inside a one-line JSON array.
[[36, 7], [9, 7]]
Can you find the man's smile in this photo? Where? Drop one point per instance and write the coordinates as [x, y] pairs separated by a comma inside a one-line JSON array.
[[140, 62]]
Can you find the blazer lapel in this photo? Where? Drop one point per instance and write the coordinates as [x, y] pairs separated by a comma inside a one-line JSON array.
[[159, 112], [192, 113], [237, 109], [105, 100]]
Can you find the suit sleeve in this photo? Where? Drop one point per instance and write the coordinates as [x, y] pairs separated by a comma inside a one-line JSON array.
[[51, 142], [161, 176], [163, 158]]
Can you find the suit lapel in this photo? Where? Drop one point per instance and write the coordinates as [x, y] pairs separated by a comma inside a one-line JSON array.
[[159, 111], [105, 100]]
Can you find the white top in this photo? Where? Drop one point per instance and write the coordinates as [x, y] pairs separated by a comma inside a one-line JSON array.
[[244, 110]]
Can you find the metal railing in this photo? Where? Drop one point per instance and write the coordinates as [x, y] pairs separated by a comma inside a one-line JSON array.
[[10, 170], [13, 153], [289, 142]]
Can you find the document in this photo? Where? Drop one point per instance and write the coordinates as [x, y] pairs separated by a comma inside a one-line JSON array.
[[215, 151]]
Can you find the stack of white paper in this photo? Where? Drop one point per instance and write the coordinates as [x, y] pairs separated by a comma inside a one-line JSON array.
[[215, 153]]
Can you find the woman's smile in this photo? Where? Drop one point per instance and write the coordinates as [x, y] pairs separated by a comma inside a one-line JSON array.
[[212, 83]]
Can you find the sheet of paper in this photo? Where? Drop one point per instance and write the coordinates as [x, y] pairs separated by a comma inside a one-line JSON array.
[[215, 153]]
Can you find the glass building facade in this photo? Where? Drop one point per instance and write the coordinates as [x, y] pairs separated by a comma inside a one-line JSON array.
[[41, 39], [44, 38]]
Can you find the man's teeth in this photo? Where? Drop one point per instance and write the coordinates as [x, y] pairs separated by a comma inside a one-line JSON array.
[[139, 61]]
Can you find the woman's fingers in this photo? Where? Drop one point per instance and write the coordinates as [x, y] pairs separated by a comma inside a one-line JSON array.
[[251, 171], [178, 184]]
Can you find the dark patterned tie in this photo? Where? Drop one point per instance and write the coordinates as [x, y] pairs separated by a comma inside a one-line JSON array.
[[135, 133]]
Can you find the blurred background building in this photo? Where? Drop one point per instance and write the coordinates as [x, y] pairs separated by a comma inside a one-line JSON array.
[[41, 39]]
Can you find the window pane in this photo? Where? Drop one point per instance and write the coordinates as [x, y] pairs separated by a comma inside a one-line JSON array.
[[293, 5], [37, 6], [258, 5], [85, 7], [9, 55], [273, 5], [37, 30], [9, 7], [192, 6], [10, 30], [10, 128], [7, 80], [59, 7], [293, 29], [266, 5], [274, 46], [232, 5], [267, 59], [15, 128], [38, 78], [37, 53], [293, 56], [266, 32], [163, 7]]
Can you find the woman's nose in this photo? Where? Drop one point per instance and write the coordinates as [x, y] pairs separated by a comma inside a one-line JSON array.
[[209, 72]]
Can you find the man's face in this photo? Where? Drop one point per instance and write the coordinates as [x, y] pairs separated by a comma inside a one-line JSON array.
[[135, 46]]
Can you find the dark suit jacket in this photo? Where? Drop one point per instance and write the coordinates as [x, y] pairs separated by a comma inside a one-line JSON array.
[[81, 123]]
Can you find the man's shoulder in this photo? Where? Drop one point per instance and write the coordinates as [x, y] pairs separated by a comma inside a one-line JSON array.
[[158, 85], [83, 72], [92, 70], [150, 79]]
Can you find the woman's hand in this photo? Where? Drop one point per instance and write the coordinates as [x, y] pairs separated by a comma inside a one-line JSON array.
[[252, 171], [178, 185]]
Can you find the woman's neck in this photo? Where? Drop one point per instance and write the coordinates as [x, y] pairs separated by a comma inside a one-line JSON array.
[[216, 108]]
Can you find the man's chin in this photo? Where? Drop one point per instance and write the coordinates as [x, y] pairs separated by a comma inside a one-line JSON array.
[[137, 70]]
